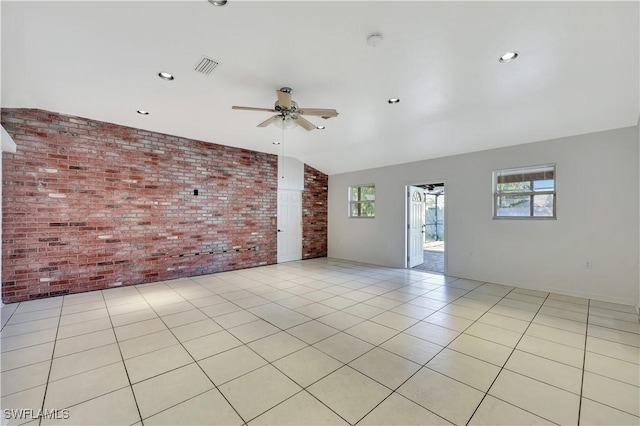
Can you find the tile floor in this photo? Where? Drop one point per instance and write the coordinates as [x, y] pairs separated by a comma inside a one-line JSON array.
[[320, 342]]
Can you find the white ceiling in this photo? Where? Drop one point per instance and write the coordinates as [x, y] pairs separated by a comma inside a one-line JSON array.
[[578, 71]]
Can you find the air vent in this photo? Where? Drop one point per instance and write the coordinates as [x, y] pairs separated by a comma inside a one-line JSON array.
[[206, 65]]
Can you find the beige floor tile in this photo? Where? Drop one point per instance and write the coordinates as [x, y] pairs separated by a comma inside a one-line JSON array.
[[80, 362], [594, 413], [253, 331], [363, 311], [251, 400], [545, 370], [131, 331], [449, 399], [126, 308], [613, 314], [515, 313], [394, 320], [24, 378], [28, 339], [39, 305], [84, 328], [485, 350], [398, 410], [385, 367], [314, 310], [613, 350], [231, 364], [561, 323], [613, 335], [493, 411], [343, 347], [413, 311], [100, 410], [83, 317], [147, 343], [613, 306], [551, 350], [412, 348], [85, 386], [562, 313], [208, 408], [611, 392], [495, 334], [300, 409], [33, 316], [202, 302], [628, 326], [307, 366], [433, 333], [133, 317], [468, 370], [463, 311], [569, 299], [340, 320], [449, 321], [312, 331], [153, 363], [235, 319], [84, 342], [501, 321], [182, 318], [349, 393], [277, 346], [26, 356], [29, 327], [195, 329], [575, 307], [543, 400], [211, 344], [556, 335], [27, 399], [382, 303], [171, 388], [612, 368], [220, 309], [82, 307]]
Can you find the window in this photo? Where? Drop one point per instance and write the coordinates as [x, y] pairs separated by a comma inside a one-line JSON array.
[[527, 192], [362, 201]]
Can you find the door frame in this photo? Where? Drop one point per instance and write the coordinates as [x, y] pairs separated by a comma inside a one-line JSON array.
[[406, 220]]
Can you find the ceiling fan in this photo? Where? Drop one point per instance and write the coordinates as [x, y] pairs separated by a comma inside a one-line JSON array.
[[288, 114]]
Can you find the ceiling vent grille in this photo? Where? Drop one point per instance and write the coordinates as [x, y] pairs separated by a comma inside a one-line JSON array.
[[206, 65]]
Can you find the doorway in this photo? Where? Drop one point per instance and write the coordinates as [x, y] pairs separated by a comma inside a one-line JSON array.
[[426, 227], [289, 225]]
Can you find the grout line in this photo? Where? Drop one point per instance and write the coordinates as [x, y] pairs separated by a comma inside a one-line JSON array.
[[584, 362]]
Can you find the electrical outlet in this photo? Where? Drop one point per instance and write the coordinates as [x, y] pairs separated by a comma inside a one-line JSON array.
[[588, 264]]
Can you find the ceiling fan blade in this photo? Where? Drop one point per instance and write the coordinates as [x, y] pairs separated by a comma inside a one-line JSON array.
[[284, 99], [320, 112], [253, 109], [304, 123], [265, 123]]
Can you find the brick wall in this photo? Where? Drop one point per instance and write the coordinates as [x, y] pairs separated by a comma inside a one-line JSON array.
[[314, 213], [89, 205]]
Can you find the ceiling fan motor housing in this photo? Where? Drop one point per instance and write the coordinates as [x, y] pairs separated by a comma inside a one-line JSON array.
[[294, 107]]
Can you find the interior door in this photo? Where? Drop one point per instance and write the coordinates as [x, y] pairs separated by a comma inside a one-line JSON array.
[[289, 225], [415, 222]]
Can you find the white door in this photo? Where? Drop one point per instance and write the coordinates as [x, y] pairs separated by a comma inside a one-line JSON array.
[[289, 225], [415, 221]]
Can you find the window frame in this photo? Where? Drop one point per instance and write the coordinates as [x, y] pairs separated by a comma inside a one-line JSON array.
[[530, 193], [360, 201]]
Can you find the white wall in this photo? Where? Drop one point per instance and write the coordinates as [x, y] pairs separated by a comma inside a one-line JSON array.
[[597, 217]]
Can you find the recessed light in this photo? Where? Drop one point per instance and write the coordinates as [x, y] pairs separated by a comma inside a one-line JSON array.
[[165, 76], [276, 143], [508, 57], [218, 2], [394, 100], [320, 127], [142, 112]]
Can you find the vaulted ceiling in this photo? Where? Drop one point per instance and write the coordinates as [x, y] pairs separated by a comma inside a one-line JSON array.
[[578, 71]]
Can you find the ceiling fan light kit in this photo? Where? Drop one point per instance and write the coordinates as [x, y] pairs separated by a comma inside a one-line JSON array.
[[288, 114]]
